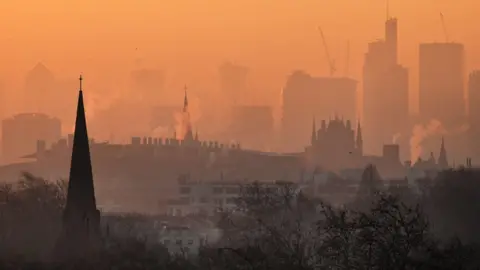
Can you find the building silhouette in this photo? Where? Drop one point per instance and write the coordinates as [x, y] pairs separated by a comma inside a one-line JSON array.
[[253, 126], [474, 113], [474, 98], [21, 133], [385, 93], [442, 156], [147, 85], [441, 83], [187, 130], [81, 219], [233, 82], [39, 89], [335, 145], [305, 96]]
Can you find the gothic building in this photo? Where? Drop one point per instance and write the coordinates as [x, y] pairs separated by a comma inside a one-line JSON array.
[[335, 145], [434, 165], [81, 220]]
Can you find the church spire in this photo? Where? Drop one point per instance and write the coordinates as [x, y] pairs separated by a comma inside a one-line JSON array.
[[80, 187], [442, 157], [187, 125], [81, 219], [185, 100]]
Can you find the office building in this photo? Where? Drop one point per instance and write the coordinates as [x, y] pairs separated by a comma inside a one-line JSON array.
[[252, 126], [441, 83], [21, 133], [305, 97], [385, 93]]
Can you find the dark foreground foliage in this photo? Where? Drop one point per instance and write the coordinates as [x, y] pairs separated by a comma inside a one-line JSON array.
[[274, 229]]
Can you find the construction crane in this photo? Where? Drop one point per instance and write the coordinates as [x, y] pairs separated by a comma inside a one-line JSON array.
[[331, 62], [444, 27], [347, 59]]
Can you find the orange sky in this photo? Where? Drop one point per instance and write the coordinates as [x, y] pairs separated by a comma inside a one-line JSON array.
[[190, 38]]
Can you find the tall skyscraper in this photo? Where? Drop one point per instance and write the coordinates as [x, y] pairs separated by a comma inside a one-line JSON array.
[[391, 41], [39, 89], [81, 219], [474, 98], [233, 82], [441, 83], [21, 132], [385, 93], [474, 114], [252, 126], [305, 97], [147, 85]]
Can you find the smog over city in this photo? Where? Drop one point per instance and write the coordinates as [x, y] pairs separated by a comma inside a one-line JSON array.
[[193, 134]]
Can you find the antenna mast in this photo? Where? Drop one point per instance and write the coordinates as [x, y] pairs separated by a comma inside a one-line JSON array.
[[444, 27]]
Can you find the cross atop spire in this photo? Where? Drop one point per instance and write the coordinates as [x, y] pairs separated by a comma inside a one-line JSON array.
[[81, 81]]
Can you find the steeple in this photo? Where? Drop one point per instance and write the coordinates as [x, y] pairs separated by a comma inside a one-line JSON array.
[[80, 187], [185, 100], [442, 157], [187, 125], [81, 219], [359, 139], [314, 132]]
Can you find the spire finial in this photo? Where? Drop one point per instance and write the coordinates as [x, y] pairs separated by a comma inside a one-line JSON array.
[[80, 79]]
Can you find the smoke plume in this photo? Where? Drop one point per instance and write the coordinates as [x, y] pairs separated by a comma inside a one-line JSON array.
[[161, 132], [420, 133], [396, 137]]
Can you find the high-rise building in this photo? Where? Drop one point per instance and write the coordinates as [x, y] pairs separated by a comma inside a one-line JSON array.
[[147, 85], [474, 114], [252, 126], [305, 97], [441, 83], [385, 93], [391, 41], [39, 89], [233, 82], [474, 98], [21, 132]]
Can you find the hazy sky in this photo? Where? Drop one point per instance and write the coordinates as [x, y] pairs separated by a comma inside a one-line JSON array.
[[190, 38]]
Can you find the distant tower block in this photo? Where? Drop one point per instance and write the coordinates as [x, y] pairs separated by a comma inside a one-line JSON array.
[[233, 81]]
